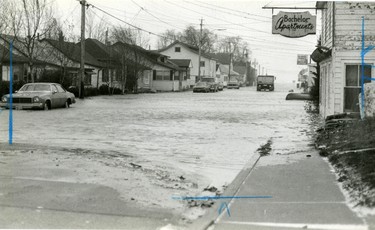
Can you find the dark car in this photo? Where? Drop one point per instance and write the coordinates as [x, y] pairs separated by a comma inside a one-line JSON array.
[[201, 87], [39, 96]]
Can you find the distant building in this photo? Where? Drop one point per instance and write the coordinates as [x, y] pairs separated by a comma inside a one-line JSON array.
[[182, 51]]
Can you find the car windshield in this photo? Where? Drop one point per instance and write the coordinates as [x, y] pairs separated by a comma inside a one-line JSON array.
[[201, 84], [36, 87]]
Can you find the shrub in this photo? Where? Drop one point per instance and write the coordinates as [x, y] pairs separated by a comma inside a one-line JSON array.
[[4, 86]]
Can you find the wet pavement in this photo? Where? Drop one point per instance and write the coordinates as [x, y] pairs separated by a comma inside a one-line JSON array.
[[143, 149]]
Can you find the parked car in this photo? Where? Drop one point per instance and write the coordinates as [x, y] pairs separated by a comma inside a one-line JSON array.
[[233, 85], [201, 87], [39, 96], [211, 81], [220, 86]]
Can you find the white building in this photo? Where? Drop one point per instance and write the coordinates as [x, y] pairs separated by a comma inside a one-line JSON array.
[[180, 50], [339, 55]]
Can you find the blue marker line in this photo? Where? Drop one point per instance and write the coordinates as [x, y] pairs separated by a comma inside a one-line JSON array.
[[11, 94], [218, 197], [364, 51], [224, 205]]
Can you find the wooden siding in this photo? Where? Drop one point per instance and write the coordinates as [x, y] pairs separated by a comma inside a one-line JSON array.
[[327, 26], [348, 24]]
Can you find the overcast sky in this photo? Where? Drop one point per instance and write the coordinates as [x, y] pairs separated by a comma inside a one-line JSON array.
[[275, 53]]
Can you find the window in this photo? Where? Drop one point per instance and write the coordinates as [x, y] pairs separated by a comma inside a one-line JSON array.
[[161, 75], [352, 88], [203, 63], [177, 49], [60, 89], [54, 89], [87, 80]]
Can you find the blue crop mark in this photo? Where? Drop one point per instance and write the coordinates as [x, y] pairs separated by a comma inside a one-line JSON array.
[[11, 94], [217, 197], [364, 51], [222, 206]]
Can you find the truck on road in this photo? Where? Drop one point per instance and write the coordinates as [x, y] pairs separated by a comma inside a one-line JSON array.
[[266, 82]]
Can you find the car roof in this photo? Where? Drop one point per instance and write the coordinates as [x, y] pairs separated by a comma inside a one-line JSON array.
[[42, 83]]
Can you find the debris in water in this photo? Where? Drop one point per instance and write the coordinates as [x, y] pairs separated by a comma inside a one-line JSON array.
[[135, 165], [265, 149], [210, 189], [182, 178]]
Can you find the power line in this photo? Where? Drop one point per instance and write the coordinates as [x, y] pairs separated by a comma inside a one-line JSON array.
[[136, 27], [236, 10], [232, 14], [260, 31], [142, 8]]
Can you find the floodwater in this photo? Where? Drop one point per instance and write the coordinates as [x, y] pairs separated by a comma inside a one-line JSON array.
[[205, 137]]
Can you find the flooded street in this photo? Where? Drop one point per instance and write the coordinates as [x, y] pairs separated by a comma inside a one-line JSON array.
[[183, 142]]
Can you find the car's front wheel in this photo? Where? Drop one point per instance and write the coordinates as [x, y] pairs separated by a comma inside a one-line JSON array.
[[67, 105], [47, 105]]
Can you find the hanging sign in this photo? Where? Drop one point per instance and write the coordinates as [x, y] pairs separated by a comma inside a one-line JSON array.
[[294, 24], [302, 59]]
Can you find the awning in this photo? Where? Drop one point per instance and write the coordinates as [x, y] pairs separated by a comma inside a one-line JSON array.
[[319, 55]]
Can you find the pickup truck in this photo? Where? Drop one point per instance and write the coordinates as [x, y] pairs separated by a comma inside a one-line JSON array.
[[266, 82]]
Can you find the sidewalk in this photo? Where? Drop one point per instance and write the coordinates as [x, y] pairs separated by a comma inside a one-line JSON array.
[[304, 193]]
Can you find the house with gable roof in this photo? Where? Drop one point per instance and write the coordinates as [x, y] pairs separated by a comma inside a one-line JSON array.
[[41, 61], [155, 70], [225, 72], [182, 51]]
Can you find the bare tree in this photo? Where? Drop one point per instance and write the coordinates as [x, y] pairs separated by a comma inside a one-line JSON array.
[[190, 36], [9, 25], [96, 27], [36, 16], [167, 38], [133, 59], [236, 46]]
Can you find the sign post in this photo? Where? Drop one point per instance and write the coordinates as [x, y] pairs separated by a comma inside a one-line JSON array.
[[302, 59]]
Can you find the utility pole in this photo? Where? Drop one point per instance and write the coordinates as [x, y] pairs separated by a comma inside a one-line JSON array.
[[200, 51], [230, 59], [82, 69]]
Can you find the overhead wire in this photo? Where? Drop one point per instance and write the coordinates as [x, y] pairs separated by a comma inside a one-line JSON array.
[[129, 24], [145, 10], [235, 10], [232, 14]]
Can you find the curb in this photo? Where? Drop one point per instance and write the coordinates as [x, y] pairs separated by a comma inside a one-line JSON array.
[[212, 213]]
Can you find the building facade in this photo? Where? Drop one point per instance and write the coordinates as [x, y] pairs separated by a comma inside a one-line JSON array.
[[339, 54]]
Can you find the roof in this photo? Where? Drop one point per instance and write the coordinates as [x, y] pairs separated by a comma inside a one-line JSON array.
[[225, 69], [184, 63], [97, 49], [41, 56], [192, 48], [5, 56], [240, 69], [223, 58], [73, 51]]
